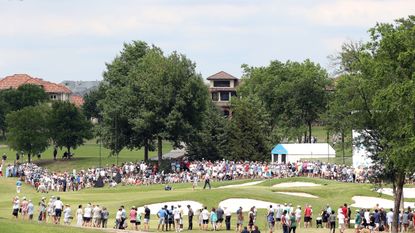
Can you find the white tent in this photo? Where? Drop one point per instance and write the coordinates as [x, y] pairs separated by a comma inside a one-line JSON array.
[[361, 156], [283, 153]]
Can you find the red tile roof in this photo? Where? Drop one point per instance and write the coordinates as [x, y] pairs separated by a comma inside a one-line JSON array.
[[222, 75], [16, 80], [77, 100]]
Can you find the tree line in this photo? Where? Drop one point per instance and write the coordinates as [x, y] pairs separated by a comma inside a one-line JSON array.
[[30, 123]]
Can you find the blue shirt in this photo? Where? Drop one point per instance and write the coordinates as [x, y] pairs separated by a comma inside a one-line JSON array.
[[18, 183], [162, 213]]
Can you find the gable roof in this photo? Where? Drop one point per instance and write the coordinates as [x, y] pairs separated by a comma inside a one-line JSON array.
[[222, 75], [77, 100], [16, 80]]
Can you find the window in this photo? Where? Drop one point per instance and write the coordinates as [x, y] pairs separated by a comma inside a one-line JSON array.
[[221, 83], [53, 97], [226, 113], [215, 96], [224, 96]]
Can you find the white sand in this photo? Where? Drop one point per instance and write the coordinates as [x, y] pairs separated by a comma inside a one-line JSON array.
[[241, 185], [371, 202], [295, 184], [407, 192], [154, 208], [298, 194], [234, 203]]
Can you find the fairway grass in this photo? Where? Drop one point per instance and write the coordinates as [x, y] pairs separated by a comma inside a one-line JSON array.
[[86, 156], [330, 192]]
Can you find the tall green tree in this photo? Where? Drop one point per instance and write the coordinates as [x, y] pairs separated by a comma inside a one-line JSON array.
[[68, 126], [211, 142], [17, 99], [90, 107], [382, 76], [293, 93], [28, 129], [249, 137]]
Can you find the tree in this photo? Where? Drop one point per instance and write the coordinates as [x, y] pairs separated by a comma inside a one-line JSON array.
[[211, 142], [17, 99], [150, 97], [381, 73], [249, 137], [292, 93], [68, 126], [174, 98], [28, 129], [90, 107]]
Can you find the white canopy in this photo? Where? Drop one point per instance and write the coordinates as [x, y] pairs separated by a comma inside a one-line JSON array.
[[297, 151]]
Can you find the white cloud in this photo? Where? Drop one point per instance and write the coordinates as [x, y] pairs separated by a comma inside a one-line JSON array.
[[360, 13]]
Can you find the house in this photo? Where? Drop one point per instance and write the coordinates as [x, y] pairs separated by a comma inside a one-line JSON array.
[[283, 153], [53, 90], [222, 88]]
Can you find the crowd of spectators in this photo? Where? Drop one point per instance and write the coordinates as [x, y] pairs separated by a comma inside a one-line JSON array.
[[180, 171]]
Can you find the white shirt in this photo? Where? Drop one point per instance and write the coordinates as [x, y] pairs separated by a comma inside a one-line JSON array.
[[228, 212], [389, 217], [58, 204], [88, 212], [118, 215], [176, 213], [16, 204], [341, 218], [205, 214]]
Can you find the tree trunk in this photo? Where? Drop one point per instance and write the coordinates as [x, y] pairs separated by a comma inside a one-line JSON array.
[[69, 152], [343, 147], [309, 132], [400, 180], [29, 159], [159, 150], [146, 150]]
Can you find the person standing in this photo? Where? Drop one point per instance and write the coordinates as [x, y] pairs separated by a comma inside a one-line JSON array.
[[133, 218], [293, 222], [207, 181], [278, 214], [342, 220], [162, 215], [96, 216], [239, 220], [123, 217], [118, 218], [332, 221], [190, 217], [104, 217], [79, 216], [42, 210], [213, 219], [138, 220], [58, 206], [284, 222], [23, 207], [18, 185], [205, 218], [16, 207], [228, 216], [270, 219], [220, 213], [30, 210], [87, 215], [67, 215], [146, 218], [307, 216], [176, 217], [357, 221]]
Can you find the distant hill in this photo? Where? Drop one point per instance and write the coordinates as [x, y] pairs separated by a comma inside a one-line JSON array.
[[81, 87]]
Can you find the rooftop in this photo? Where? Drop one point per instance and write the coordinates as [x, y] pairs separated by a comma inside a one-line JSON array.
[[16, 80], [222, 75]]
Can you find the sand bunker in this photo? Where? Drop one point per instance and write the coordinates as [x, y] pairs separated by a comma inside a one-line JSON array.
[[295, 184], [407, 192], [154, 208], [298, 194], [234, 203], [241, 185], [371, 202]]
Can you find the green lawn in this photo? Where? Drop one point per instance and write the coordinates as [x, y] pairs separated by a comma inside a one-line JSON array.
[[85, 156], [332, 192]]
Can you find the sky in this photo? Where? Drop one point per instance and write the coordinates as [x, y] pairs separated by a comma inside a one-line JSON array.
[[72, 40]]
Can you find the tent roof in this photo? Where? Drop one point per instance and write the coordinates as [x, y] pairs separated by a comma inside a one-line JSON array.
[[303, 149]]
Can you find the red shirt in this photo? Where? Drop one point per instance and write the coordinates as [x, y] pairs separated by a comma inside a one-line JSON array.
[[307, 212], [344, 210]]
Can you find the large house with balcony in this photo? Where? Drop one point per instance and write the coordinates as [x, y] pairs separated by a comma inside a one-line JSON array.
[[53, 90], [222, 88]]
